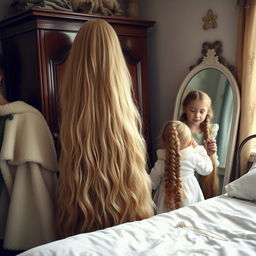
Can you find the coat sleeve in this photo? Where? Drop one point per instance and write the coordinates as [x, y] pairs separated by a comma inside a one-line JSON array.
[[29, 164], [202, 162], [156, 173]]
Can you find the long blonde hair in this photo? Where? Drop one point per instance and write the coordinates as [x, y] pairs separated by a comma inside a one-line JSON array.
[[209, 183], [175, 136], [103, 179]]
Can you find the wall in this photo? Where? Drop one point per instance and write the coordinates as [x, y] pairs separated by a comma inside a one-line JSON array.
[[175, 44]]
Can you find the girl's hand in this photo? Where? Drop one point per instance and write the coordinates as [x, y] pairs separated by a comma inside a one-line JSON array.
[[193, 143], [210, 146]]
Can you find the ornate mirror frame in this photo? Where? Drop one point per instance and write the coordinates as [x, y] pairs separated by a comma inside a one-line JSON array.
[[211, 60]]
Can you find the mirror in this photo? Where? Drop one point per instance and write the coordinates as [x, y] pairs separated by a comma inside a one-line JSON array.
[[213, 76]]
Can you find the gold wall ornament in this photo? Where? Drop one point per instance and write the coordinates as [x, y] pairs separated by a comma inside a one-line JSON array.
[[209, 20]]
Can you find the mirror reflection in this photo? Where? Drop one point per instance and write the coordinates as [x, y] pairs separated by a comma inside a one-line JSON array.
[[216, 85], [216, 80]]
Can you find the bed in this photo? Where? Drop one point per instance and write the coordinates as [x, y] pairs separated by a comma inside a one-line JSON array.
[[224, 225]]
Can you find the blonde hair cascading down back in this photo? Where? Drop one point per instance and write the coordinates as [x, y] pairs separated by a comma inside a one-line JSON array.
[[209, 183], [103, 179], [175, 136]]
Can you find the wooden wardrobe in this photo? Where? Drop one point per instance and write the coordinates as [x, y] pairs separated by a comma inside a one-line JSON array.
[[36, 43]]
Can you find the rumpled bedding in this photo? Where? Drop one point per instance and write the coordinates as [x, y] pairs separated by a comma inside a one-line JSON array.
[[231, 220]]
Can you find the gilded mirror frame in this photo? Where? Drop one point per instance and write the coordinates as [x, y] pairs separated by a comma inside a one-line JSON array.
[[211, 61]]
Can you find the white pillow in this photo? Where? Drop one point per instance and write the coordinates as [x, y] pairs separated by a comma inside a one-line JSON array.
[[245, 186]]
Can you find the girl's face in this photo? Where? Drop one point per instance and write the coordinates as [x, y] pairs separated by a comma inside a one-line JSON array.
[[196, 112]]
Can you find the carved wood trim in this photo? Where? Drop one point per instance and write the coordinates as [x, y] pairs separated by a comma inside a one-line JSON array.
[[217, 46]]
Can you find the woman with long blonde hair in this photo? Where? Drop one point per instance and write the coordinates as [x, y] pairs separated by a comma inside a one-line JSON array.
[[173, 176], [103, 179], [197, 114]]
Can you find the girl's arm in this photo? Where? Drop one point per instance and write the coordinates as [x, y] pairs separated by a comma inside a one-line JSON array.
[[194, 143], [156, 173], [202, 162]]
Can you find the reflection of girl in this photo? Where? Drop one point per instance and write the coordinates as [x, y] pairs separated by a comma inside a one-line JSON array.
[[103, 179], [197, 113], [173, 173]]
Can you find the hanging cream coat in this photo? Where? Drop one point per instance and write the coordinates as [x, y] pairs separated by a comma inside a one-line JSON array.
[[28, 165]]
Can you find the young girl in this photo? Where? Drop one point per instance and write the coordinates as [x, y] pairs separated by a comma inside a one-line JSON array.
[[173, 173], [103, 179], [197, 113]]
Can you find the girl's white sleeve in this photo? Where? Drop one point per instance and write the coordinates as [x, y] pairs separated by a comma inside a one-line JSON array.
[[202, 162], [156, 173]]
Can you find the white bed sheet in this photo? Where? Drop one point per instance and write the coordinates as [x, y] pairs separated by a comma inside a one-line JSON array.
[[231, 218]]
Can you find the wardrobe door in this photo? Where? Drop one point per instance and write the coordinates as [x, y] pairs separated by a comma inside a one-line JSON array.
[[136, 60], [21, 68], [57, 45]]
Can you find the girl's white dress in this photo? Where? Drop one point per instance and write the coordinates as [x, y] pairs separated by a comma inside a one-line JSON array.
[[192, 159]]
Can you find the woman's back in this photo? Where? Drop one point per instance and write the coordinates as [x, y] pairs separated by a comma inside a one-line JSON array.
[[103, 178]]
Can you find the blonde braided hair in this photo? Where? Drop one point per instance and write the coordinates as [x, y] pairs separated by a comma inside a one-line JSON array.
[[175, 136]]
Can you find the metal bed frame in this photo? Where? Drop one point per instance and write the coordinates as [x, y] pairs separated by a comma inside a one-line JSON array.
[[238, 153]]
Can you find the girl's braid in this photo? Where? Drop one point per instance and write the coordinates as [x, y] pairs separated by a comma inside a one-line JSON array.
[[173, 197]]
